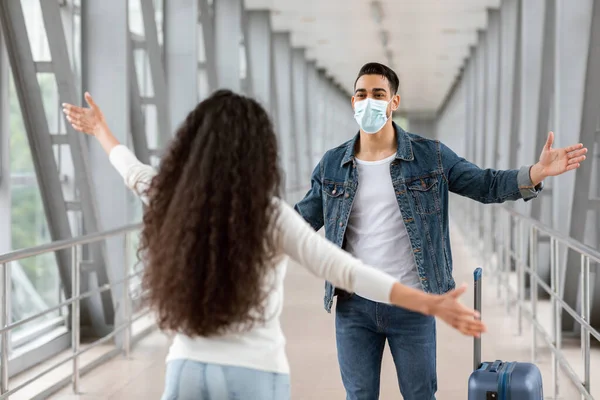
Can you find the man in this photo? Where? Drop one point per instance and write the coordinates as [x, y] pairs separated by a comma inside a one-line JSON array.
[[383, 196]]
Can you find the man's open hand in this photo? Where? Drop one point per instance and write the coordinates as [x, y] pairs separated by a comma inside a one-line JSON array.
[[555, 162]]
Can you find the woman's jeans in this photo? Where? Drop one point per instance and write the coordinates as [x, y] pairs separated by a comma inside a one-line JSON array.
[[193, 380]]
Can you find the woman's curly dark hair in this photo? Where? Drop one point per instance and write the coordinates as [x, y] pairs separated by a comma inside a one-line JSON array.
[[205, 242]]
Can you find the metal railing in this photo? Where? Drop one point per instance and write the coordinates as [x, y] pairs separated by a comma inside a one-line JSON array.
[[503, 237], [74, 245]]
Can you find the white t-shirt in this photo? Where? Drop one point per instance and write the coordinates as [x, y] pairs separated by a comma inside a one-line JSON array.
[[376, 233], [263, 347]]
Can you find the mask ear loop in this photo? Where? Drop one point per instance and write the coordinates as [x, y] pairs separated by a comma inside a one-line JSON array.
[[391, 110]]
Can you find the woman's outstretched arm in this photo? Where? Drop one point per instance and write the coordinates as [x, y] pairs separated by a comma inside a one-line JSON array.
[[91, 121], [327, 261]]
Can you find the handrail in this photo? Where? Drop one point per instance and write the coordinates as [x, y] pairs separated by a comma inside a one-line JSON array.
[[513, 239], [561, 237], [66, 243], [74, 244]]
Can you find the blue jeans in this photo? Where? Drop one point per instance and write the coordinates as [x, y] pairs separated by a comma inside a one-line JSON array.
[[193, 380], [362, 327]]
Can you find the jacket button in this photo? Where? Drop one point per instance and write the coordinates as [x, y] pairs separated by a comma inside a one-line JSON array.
[[341, 224], [333, 191], [347, 195]]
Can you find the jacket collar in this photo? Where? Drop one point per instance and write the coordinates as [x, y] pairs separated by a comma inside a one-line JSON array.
[[404, 150]]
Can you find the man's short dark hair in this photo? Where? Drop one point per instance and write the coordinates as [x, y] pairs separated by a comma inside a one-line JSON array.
[[382, 70]]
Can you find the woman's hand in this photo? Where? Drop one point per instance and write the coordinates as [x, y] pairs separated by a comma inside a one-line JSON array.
[[86, 120], [446, 307], [451, 311], [91, 121]]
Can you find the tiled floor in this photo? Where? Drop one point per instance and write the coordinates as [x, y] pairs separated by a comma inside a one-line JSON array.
[[312, 352]]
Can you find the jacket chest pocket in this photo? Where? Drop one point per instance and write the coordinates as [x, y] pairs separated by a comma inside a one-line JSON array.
[[425, 194], [334, 200]]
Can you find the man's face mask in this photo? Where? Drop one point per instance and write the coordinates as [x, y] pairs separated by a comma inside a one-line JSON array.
[[371, 115]]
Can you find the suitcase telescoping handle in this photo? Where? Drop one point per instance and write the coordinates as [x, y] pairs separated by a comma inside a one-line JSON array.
[[477, 275]]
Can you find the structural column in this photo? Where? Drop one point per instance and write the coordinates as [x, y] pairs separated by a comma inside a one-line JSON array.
[[328, 113], [106, 73], [474, 98], [510, 107], [538, 66], [573, 48], [282, 53], [274, 96], [467, 110], [335, 117], [259, 43], [531, 63], [299, 92], [181, 57], [471, 111], [5, 198], [480, 141], [587, 195], [325, 113], [346, 116], [541, 208], [492, 84], [493, 74], [506, 81], [315, 103], [513, 22], [206, 61], [228, 33]]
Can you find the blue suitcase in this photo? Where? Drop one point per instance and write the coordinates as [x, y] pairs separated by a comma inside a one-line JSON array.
[[501, 380]]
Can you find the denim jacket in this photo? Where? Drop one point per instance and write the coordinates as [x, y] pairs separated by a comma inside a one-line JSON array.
[[423, 174]]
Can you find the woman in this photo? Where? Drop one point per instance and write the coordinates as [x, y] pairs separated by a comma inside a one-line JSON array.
[[215, 244]]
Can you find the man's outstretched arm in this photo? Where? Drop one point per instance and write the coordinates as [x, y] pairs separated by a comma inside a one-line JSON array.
[[494, 186]]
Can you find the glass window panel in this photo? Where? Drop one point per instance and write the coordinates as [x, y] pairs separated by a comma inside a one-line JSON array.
[[71, 24], [134, 264], [142, 68], [50, 99], [134, 208], [148, 83], [243, 65], [35, 30], [35, 281], [158, 10], [75, 222], [20, 155], [35, 287], [136, 23], [203, 88], [77, 49], [201, 47], [151, 123], [66, 171]]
